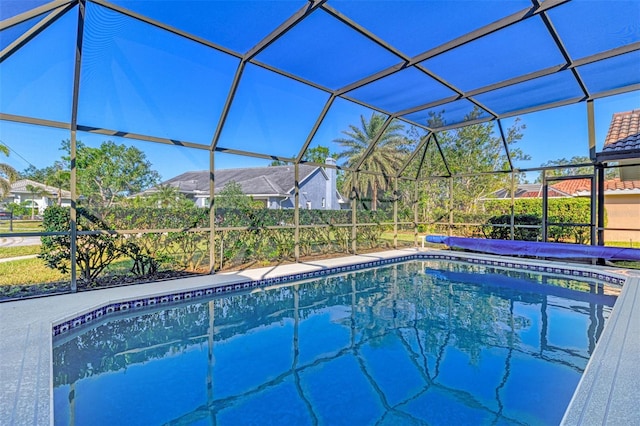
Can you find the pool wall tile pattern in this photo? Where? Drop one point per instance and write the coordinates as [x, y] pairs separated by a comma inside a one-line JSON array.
[[87, 317]]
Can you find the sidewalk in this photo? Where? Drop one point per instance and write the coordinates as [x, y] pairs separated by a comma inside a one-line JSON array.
[[11, 259], [19, 241]]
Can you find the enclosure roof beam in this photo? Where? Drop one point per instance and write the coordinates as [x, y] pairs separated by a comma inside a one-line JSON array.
[[32, 13], [283, 28], [424, 140], [374, 142], [444, 159], [460, 41], [315, 128], [424, 155], [505, 145], [563, 50], [35, 30], [169, 28]]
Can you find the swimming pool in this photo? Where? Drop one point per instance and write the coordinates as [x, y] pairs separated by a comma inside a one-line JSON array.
[[415, 342]]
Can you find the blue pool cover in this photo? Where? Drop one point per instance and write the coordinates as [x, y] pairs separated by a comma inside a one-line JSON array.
[[538, 249]]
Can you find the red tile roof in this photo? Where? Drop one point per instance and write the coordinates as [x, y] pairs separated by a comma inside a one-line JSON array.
[[583, 185], [617, 184], [572, 186], [624, 132]]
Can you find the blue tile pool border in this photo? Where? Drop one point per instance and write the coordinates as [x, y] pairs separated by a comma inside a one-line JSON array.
[[201, 293]]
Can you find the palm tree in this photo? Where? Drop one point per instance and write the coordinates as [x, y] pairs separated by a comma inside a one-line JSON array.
[[7, 174], [35, 190], [59, 179], [385, 158], [168, 196]]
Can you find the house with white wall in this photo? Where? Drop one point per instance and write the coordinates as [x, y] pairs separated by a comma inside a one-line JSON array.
[[37, 195], [272, 185]]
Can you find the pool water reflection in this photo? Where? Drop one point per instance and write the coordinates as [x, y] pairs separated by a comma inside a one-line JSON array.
[[411, 343]]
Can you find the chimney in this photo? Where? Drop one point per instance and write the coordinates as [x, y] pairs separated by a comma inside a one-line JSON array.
[[331, 200]]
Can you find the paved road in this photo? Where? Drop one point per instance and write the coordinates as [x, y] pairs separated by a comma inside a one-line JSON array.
[[19, 241]]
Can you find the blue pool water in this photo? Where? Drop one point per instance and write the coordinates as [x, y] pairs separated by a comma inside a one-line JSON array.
[[421, 342]]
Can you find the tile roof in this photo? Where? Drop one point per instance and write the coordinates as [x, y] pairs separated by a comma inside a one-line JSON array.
[[23, 184], [617, 184], [582, 186], [272, 180], [573, 186], [569, 188], [624, 132], [531, 190]]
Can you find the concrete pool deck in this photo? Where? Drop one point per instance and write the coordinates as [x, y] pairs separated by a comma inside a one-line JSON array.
[[607, 394]]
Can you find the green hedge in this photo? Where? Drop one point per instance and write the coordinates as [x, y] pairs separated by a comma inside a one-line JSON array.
[[148, 253], [504, 232], [560, 210]]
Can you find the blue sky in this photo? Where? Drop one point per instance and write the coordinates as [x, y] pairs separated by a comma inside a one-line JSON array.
[[141, 79]]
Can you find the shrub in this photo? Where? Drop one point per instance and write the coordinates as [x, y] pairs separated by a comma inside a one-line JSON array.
[[560, 210], [504, 232], [94, 252]]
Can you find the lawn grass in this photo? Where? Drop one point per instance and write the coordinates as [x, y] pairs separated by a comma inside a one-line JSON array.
[[21, 226], [627, 244], [407, 237], [29, 271], [6, 252]]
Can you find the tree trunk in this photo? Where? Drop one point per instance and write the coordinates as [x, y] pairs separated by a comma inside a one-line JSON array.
[[374, 198]]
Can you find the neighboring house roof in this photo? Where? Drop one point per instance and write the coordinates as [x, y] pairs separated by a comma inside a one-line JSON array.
[[623, 138], [530, 190], [572, 188], [580, 187], [20, 186], [264, 181]]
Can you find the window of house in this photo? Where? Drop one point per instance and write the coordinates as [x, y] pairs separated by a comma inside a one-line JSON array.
[[308, 205], [324, 203]]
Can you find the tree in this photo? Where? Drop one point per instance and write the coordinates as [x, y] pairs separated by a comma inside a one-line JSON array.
[[168, 196], [35, 191], [317, 154], [110, 172], [385, 158], [8, 174], [232, 197], [469, 151], [572, 171], [58, 178]]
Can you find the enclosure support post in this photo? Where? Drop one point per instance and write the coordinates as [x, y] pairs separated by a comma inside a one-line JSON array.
[[545, 204], [450, 226], [395, 213], [212, 215], [354, 204], [513, 205], [73, 212], [593, 214], [601, 204], [591, 126], [416, 193], [296, 212]]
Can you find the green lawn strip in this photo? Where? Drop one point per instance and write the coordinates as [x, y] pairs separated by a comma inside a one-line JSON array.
[[34, 271], [624, 244], [28, 271], [21, 226], [402, 236], [6, 252]]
